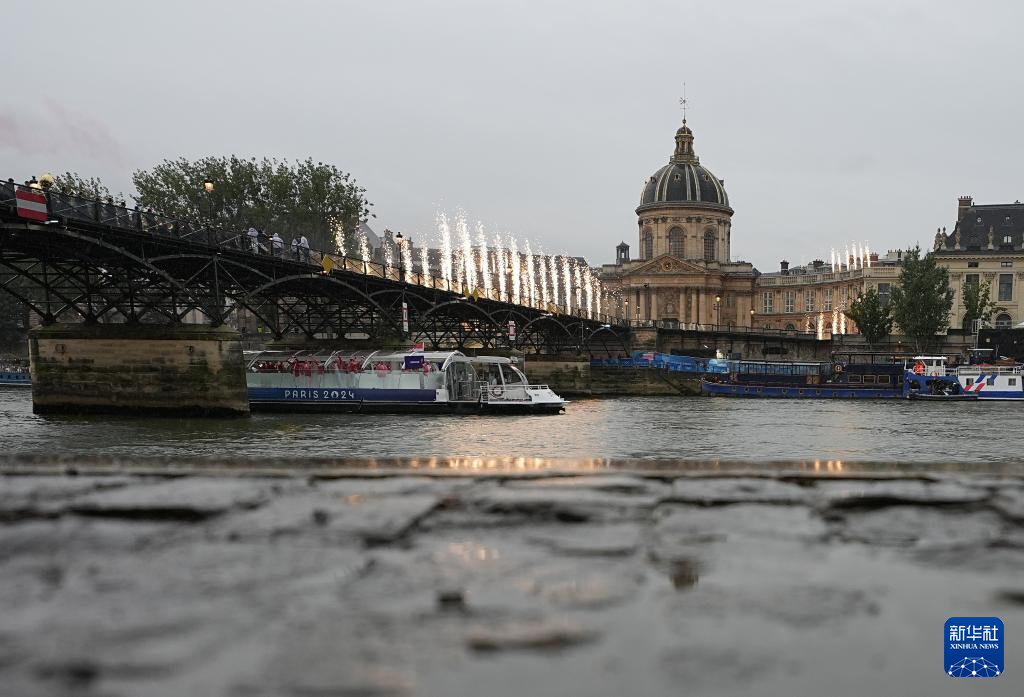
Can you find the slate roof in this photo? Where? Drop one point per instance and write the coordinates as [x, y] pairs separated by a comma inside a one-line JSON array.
[[679, 182], [1004, 220]]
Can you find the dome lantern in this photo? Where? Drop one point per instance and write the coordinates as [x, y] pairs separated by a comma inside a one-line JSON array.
[[684, 146]]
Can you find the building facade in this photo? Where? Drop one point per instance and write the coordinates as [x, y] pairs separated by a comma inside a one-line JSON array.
[[684, 273], [813, 298], [987, 244]]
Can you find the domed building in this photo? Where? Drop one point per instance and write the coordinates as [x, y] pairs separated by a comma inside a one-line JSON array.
[[684, 272]]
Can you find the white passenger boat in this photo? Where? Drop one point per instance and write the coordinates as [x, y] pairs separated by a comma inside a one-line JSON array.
[[411, 381]]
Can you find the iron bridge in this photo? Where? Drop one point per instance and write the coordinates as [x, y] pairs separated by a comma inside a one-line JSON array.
[[99, 262]]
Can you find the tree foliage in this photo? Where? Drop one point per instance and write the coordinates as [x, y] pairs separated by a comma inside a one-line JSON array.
[[13, 313], [871, 315], [291, 198], [74, 184], [978, 303], [921, 301]]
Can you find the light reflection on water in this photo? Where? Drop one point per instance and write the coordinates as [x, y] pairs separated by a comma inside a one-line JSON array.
[[820, 436]]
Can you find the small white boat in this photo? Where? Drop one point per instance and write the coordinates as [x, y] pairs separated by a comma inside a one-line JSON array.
[[410, 381]]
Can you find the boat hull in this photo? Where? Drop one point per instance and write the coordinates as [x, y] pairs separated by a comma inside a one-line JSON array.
[[15, 380], [377, 401], [943, 397], [726, 389]]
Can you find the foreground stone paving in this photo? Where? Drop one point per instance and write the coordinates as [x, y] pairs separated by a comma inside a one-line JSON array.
[[121, 581]]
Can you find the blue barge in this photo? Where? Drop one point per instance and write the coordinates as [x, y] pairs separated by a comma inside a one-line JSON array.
[[840, 379], [926, 378], [16, 376]]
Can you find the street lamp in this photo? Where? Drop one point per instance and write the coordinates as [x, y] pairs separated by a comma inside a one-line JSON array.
[[718, 310], [399, 240], [208, 188], [626, 313]]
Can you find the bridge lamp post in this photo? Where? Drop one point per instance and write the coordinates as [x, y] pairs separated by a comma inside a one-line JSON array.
[[208, 188], [400, 241], [718, 310], [752, 313]]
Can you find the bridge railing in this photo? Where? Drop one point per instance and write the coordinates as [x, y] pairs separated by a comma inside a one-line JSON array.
[[62, 206], [719, 328]]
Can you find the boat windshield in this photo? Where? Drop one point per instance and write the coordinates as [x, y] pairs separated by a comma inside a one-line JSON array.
[[513, 376], [491, 373]]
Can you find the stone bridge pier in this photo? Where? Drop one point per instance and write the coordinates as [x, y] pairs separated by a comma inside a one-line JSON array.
[[182, 370]]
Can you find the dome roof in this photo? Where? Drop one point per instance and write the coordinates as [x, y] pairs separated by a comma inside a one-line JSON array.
[[684, 182]]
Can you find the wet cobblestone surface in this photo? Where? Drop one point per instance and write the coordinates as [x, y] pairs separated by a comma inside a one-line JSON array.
[[120, 581]]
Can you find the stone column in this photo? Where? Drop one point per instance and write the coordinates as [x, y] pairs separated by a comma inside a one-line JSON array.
[[697, 316], [743, 305], [682, 306], [654, 303]]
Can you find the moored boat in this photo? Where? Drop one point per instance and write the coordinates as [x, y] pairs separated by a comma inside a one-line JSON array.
[[931, 378], [838, 379], [410, 381], [15, 375]]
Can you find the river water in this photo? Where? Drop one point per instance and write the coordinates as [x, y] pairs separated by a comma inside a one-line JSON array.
[[657, 428]]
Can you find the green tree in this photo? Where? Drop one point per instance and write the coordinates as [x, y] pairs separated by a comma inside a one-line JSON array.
[[291, 198], [14, 317], [921, 302], [871, 315], [978, 303], [74, 184]]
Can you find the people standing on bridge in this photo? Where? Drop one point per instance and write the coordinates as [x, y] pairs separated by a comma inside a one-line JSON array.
[[304, 246], [278, 245], [254, 240], [295, 248]]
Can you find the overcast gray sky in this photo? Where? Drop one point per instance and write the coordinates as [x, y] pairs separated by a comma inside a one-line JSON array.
[[829, 121]]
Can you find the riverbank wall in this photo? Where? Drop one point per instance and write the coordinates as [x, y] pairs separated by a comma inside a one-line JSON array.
[[577, 378], [188, 370]]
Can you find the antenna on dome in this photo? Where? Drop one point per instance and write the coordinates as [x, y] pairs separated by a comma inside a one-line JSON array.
[[683, 102]]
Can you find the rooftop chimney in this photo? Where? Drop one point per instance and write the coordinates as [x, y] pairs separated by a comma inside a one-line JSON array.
[[963, 203], [784, 267]]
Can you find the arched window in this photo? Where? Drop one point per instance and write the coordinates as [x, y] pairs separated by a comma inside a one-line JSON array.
[[1003, 321], [709, 245], [675, 242], [647, 244]]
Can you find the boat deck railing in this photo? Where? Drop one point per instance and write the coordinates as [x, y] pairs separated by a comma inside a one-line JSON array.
[[986, 370], [484, 390]]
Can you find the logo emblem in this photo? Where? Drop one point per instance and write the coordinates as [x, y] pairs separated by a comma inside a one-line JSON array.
[[974, 647]]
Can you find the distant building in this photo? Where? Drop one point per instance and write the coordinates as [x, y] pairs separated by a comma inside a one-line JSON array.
[[683, 272], [794, 299], [987, 244]]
